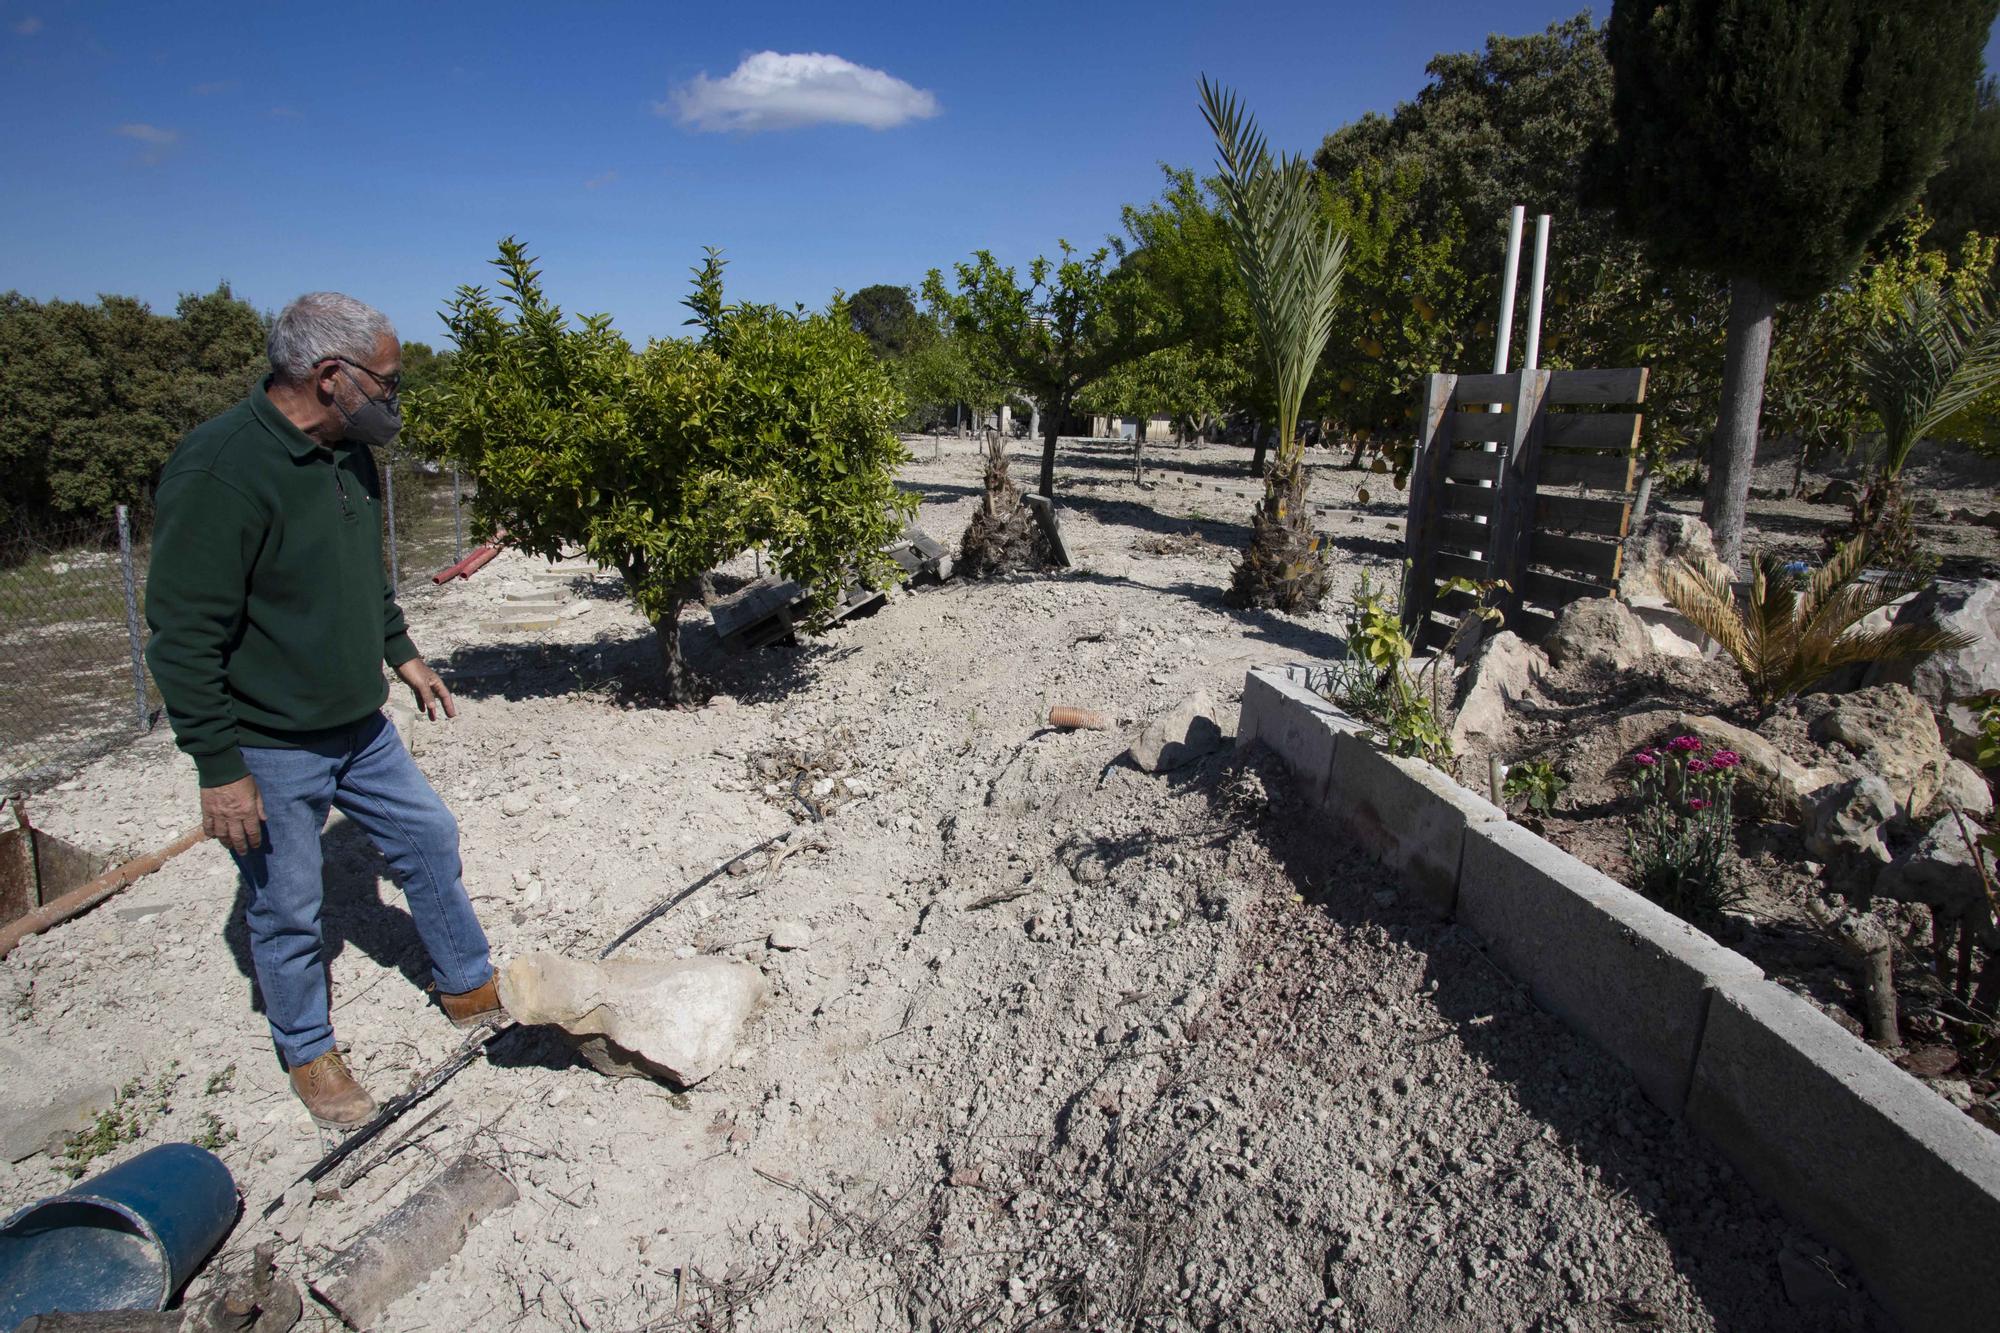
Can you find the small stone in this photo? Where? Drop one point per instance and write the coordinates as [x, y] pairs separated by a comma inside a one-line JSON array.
[[516, 803], [788, 935]]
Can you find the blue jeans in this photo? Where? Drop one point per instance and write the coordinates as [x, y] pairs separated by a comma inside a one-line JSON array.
[[365, 772]]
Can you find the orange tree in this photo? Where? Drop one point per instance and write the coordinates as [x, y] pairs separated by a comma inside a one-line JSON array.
[[768, 428]]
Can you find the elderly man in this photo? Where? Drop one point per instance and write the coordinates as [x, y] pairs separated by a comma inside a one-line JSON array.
[[272, 620]]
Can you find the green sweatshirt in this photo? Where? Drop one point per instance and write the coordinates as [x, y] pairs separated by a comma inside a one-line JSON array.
[[271, 614]]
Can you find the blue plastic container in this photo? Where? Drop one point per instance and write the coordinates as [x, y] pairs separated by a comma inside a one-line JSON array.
[[127, 1239]]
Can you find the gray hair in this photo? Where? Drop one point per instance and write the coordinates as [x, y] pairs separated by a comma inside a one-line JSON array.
[[319, 326]]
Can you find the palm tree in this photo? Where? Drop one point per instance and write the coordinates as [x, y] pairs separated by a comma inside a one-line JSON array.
[[1290, 257], [1795, 630], [1923, 364]]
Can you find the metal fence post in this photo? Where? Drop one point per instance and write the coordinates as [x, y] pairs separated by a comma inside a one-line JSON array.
[[457, 521], [132, 616], [389, 503]]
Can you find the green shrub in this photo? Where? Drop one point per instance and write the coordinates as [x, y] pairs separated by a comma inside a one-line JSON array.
[[770, 428]]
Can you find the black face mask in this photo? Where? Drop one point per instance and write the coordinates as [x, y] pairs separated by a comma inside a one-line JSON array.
[[377, 421]]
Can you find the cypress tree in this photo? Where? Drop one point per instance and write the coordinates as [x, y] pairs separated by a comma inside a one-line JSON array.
[[1768, 142]]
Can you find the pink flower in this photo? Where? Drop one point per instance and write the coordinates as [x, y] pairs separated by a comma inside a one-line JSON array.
[[1697, 765], [1697, 803], [1725, 759], [1644, 759], [1684, 743]]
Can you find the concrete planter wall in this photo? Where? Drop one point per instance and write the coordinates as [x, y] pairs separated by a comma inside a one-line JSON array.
[[1846, 1143]]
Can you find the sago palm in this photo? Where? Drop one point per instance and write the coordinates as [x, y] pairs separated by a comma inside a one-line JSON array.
[[1796, 629], [1290, 257]]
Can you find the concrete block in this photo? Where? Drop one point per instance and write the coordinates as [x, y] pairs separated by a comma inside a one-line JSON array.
[[1858, 1151], [1622, 971], [1300, 725], [1409, 815]]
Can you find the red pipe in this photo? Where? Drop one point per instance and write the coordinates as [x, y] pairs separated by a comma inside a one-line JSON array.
[[472, 563]]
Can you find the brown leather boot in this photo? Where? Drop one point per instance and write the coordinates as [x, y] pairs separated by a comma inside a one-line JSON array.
[[331, 1094], [469, 1009]]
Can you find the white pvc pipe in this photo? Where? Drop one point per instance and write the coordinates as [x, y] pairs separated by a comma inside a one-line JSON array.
[[1505, 340], [1533, 359]]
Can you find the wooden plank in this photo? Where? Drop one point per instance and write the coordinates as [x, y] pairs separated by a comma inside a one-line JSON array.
[[1480, 427], [1466, 499], [1445, 565], [1472, 464], [1599, 472], [1592, 430], [1427, 491], [1463, 533], [1598, 386], [1574, 513], [1485, 388], [1558, 590], [1513, 513], [1595, 560]]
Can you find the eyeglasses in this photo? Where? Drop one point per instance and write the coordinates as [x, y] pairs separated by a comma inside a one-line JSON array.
[[392, 385]]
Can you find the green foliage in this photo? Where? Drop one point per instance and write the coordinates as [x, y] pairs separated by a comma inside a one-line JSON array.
[[1287, 252], [1536, 782], [126, 1120], [1290, 259], [1927, 361], [1177, 248], [1680, 841], [770, 428], [1375, 684], [887, 317], [1795, 630], [1048, 339], [1964, 196], [1773, 139], [1988, 753], [94, 397]]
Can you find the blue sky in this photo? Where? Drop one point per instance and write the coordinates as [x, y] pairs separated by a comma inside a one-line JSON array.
[[383, 149]]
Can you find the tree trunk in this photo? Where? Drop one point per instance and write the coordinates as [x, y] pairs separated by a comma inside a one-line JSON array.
[[1644, 499], [682, 689], [1051, 425], [1733, 453], [1261, 434]]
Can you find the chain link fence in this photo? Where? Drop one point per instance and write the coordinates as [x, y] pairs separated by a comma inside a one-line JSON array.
[[73, 679]]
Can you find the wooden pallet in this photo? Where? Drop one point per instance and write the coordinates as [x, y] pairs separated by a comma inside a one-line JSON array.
[[771, 609]]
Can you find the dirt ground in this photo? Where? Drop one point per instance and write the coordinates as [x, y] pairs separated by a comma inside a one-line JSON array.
[[1071, 1046]]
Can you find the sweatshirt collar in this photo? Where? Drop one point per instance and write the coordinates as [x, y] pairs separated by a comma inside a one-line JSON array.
[[301, 444]]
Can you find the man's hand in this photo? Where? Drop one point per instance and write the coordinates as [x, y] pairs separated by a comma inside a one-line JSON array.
[[233, 814], [430, 691]]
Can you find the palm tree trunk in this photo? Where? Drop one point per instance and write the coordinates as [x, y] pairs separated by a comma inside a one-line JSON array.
[[1733, 454]]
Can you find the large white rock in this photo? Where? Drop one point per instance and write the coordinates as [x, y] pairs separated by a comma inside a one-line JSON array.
[[1504, 671], [1598, 631], [1660, 542], [681, 1018], [1946, 680], [1178, 737], [1890, 732]]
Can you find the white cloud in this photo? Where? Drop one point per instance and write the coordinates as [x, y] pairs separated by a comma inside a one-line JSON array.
[[159, 140], [596, 182], [27, 27], [770, 91], [149, 134]]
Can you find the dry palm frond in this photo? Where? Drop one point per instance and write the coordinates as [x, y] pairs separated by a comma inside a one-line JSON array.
[[1795, 630], [1003, 536]]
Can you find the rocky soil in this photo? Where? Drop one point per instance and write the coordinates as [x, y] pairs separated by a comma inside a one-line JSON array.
[[1052, 1042]]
